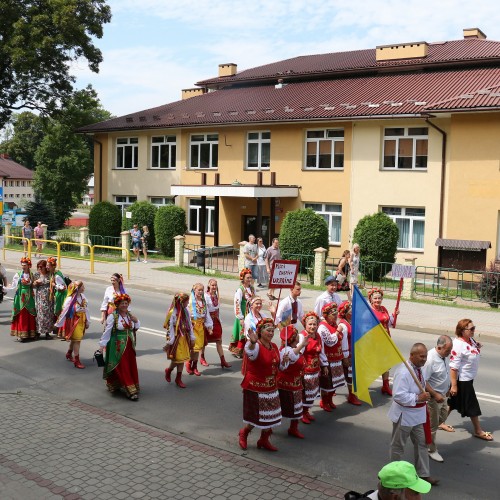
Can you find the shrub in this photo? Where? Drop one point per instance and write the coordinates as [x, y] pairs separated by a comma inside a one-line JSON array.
[[105, 219], [301, 232], [377, 236], [39, 210], [488, 289], [170, 221], [143, 214]]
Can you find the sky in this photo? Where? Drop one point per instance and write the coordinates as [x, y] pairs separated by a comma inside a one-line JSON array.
[[153, 49]]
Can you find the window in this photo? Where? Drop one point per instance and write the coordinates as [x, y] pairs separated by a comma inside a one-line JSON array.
[[333, 217], [411, 224], [163, 149], [124, 202], [194, 216], [127, 152], [258, 150], [161, 201], [325, 149], [406, 148], [204, 150]]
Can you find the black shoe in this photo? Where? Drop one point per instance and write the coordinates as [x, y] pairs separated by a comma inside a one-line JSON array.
[[434, 481]]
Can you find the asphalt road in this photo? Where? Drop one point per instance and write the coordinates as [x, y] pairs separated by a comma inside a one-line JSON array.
[[346, 447]]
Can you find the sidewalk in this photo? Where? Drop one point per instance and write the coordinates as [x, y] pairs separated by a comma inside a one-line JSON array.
[[414, 316], [69, 450]]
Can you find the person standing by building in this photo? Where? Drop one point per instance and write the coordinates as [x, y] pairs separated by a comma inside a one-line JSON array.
[[354, 266], [437, 374], [408, 412], [251, 256], [261, 264], [272, 253], [27, 233], [136, 235], [38, 239], [145, 243]]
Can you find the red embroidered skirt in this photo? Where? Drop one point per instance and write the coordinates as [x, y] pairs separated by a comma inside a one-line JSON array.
[[125, 375], [216, 330], [261, 409], [291, 403], [23, 325]]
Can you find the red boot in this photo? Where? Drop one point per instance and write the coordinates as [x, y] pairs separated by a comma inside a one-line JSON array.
[[203, 361], [305, 416], [69, 356], [195, 368], [168, 372], [293, 430], [242, 437], [263, 442], [385, 388], [224, 363], [77, 363], [324, 403], [332, 405], [189, 368], [178, 381], [353, 399]]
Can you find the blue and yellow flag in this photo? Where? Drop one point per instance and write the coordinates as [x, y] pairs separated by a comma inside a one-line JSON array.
[[373, 351]]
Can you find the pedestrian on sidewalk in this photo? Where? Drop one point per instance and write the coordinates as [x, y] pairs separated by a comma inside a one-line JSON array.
[[437, 374], [241, 301], [38, 239], [120, 363], [57, 290], [212, 300], [27, 233], [136, 235], [261, 264], [354, 259], [464, 364], [261, 401], [145, 243], [408, 412], [180, 337], [43, 302], [291, 372], [23, 322], [74, 320], [200, 320], [250, 253], [108, 302], [329, 295], [273, 253], [342, 273], [375, 297]]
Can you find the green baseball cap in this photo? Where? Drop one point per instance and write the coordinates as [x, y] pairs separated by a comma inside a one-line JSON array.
[[402, 474]]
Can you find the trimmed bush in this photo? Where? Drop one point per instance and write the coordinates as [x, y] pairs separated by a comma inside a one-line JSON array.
[[488, 289], [301, 232], [143, 214], [377, 236], [170, 221], [105, 219]]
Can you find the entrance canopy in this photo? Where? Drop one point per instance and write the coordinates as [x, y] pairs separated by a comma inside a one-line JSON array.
[[237, 191], [470, 245]]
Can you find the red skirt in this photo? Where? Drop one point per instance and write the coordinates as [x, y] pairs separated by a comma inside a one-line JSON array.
[[125, 375], [291, 403], [261, 409], [23, 325], [216, 330]]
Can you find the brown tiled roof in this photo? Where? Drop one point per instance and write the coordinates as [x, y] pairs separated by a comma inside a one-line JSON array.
[[9, 168], [470, 50], [463, 244], [401, 94]]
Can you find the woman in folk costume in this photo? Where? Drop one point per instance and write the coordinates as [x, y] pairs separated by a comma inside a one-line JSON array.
[[316, 362], [108, 302], [344, 326], [23, 322], [212, 301], [241, 299], [254, 315], [375, 297], [334, 345], [180, 337], [261, 401], [292, 365], [120, 364], [74, 320], [200, 319], [57, 289]]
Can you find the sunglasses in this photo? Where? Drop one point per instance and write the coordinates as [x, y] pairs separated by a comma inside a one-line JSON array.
[[470, 329]]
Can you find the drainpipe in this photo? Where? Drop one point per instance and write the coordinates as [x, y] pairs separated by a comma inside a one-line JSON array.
[[100, 167], [443, 179]]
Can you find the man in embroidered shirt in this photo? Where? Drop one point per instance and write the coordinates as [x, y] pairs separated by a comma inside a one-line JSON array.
[[329, 295], [290, 309], [437, 374], [408, 413]]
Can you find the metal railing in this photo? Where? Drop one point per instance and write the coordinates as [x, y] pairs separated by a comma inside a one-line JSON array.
[[220, 258], [377, 274], [306, 266]]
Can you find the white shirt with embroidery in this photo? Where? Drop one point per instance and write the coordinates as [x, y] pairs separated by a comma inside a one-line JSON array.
[[121, 324], [464, 359]]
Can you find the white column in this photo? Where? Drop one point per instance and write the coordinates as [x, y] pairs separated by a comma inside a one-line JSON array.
[[179, 250], [241, 256], [409, 283], [319, 266], [125, 243], [84, 240]]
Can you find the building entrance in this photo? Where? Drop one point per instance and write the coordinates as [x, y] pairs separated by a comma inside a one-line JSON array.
[[250, 227]]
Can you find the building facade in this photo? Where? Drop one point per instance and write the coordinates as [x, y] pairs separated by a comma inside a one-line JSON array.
[[17, 183], [408, 129]]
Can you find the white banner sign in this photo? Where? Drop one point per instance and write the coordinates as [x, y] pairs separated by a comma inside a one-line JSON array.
[[284, 273], [401, 271]]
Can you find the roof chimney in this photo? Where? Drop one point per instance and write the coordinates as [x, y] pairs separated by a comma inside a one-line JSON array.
[[228, 69], [188, 93], [474, 33], [414, 50]]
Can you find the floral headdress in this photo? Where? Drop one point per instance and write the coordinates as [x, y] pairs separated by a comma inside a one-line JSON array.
[[52, 260], [288, 333], [344, 309], [25, 260], [329, 308], [263, 324], [374, 290], [309, 314], [255, 299], [121, 297], [244, 272]]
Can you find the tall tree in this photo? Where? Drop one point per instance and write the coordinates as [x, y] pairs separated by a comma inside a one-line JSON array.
[[38, 42]]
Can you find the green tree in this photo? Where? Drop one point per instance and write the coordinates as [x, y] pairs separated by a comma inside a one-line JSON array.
[[39, 210], [105, 219], [170, 221], [143, 214], [301, 232], [377, 236], [38, 43]]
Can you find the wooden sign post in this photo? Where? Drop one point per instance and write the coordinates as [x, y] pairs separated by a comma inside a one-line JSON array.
[[400, 271]]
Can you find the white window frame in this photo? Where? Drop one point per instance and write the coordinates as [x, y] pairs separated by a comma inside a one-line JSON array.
[[409, 133], [329, 215], [263, 138], [195, 151], [170, 143], [165, 200], [412, 219], [331, 135], [124, 204], [194, 205], [122, 144]]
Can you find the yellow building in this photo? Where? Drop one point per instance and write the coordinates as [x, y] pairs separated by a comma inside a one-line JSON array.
[[411, 129]]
